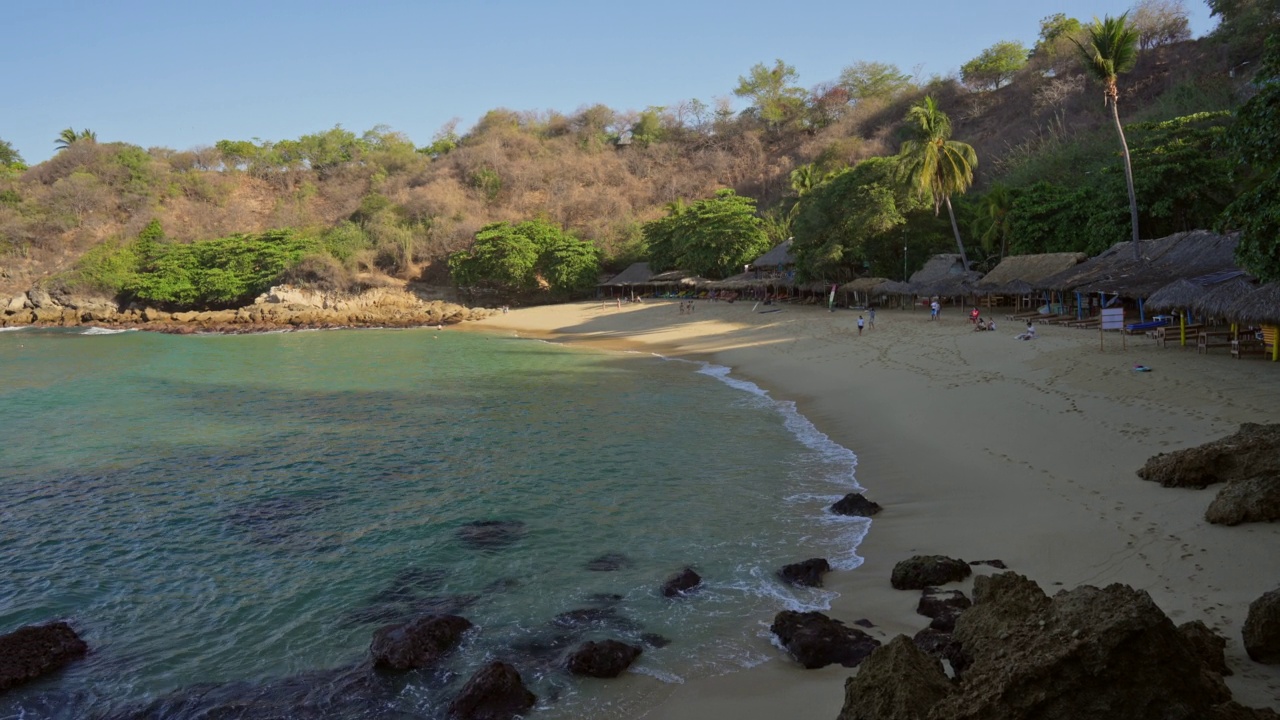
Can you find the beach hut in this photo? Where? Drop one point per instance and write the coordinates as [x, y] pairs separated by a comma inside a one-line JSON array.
[[1260, 307], [1020, 275], [944, 276], [864, 287], [636, 274], [777, 259]]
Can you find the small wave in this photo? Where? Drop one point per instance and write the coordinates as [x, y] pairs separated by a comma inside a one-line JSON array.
[[94, 330], [14, 329]]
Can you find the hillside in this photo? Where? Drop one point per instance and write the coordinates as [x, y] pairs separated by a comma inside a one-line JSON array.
[[401, 209]]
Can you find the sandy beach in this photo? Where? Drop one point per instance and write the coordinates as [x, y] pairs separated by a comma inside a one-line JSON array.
[[979, 446]]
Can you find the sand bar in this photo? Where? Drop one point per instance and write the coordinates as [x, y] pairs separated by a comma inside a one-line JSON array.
[[979, 446]]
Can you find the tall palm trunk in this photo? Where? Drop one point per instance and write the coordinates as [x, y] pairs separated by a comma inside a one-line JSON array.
[[956, 228], [1128, 176]]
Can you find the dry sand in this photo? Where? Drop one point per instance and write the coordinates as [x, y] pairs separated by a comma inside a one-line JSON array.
[[979, 446]]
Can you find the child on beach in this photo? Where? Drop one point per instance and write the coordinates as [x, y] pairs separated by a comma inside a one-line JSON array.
[[933, 310], [1030, 334], [860, 321]]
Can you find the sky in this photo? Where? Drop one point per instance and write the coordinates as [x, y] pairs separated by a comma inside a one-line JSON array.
[[187, 74]]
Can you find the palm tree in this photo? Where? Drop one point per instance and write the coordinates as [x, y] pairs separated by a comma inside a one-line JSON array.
[[1111, 48], [995, 207], [69, 136], [936, 165]]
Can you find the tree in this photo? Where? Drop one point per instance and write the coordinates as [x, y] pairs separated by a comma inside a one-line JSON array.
[[934, 164], [995, 66], [776, 99], [68, 137], [1254, 140], [874, 81], [1110, 48], [712, 237], [524, 256], [1054, 53], [9, 157], [1160, 22], [993, 212], [1244, 25]]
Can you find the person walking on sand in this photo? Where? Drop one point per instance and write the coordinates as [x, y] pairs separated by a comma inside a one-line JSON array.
[[933, 310], [860, 325], [871, 317]]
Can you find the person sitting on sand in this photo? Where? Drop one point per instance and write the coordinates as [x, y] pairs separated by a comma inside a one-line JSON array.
[[991, 325], [1030, 334], [979, 326]]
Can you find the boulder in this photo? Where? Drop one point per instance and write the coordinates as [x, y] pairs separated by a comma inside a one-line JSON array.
[[495, 692], [681, 583], [922, 571], [1208, 645], [1254, 499], [1262, 629], [35, 650], [48, 314], [805, 574], [605, 659], [16, 303], [39, 298], [896, 682], [1253, 450], [855, 504], [816, 640], [1089, 652], [417, 643], [942, 607], [942, 646]]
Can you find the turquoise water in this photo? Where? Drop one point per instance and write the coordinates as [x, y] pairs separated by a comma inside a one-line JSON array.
[[231, 517]]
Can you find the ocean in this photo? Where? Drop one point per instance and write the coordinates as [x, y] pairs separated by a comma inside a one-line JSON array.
[[226, 520]]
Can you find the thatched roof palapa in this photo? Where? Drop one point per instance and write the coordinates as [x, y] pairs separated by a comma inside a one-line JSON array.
[[1178, 294], [863, 285], [635, 274], [893, 287], [1182, 255], [779, 256], [1027, 269], [1217, 301], [1260, 307]]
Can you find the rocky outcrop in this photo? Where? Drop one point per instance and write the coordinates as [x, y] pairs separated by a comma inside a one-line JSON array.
[[922, 571], [1254, 499], [418, 643], [282, 307], [495, 692], [607, 659], [1262, 629], [942, 646], [816, 640], [681, 583], [942, 607], [1251, 452], [805, 574], [896, 682], [36, 650], [1209, 646], [855, 504]]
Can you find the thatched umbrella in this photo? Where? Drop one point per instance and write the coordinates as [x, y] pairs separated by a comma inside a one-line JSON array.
[[1218, 301], [1260, 307], [1177, 295], [893, 287]]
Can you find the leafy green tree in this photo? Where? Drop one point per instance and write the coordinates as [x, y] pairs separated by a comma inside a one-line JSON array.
[[523, 256], [1254, 141], [648, 127], [1109, 49], [866, 80], [995, 66], [69, 137], [1244, 26], [805, 178], [713, 237], [994, 207], [837, 219], [9, 157], [776, 99], [1054, 53], [934, 164]]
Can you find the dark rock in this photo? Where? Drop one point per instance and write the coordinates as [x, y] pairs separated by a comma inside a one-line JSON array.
[[495, 692], [35, 650], [609, 562], [943, 607], [1252, 451], [491, 535], [418, 643], [1243, 500], [1209, 645], [816, 640], [863, 622], [605, 659], [1262, 629], [1235, 711], [654, 640], [1085, 653], [681, 583], [805, 574], [595, 617], [942, 646], [922, 571], [896, 682], [855, 504], [999, 564]]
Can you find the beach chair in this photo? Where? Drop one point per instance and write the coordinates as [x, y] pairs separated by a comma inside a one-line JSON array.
[[1206, 339]]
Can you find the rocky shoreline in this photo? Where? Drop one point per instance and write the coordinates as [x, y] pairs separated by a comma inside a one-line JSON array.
[[280, 308]]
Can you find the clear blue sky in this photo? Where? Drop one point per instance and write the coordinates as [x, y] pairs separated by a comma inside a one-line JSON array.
[[184, 73]]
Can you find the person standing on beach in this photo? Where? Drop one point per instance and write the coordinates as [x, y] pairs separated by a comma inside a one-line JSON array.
[[871, 317], [859, 325], [933, 310]]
